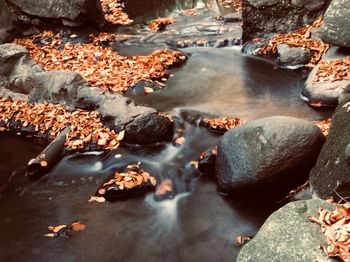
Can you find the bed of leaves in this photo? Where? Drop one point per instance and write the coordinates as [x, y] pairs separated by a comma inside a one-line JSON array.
[[336, 227], [159, 24], [132, 178], [222, 124], [299, 38], [99, 65], [46, 118], [236, 3], [333, 70], [324, 125], [114, 12]]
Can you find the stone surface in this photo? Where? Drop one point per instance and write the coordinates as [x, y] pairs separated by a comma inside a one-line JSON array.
[[325, 93], [265, 153], [332, 171], [15, 67], [287, 235], [69, 12], [7, 20], [293, 56], [336, 27], [276, 16]]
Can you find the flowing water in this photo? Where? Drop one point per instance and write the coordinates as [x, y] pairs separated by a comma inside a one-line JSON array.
[[198, 223]]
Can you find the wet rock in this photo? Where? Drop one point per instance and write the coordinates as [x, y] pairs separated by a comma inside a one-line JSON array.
[[142, 125], [277, 16], [331, 175], [293, 56], [325, 93], [336, 27], [288, 235], [276, 152], [16, 66], [59, 87], [71, 12], [143, 87], [7, 20]]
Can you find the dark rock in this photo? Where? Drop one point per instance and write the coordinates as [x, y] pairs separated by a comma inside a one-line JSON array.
[[325, 93], [288, 235], [293, 56], [7, 20], [270, 152], [336, 27], [206, 163], [71, 12], [277, 16], [141, 88], [142, 125], [331, 175]]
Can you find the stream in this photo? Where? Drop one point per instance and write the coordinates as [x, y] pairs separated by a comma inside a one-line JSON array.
[[198, 223]]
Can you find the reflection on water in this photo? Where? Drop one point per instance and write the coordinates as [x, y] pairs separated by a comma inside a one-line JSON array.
[[227, 83], [143, 11]]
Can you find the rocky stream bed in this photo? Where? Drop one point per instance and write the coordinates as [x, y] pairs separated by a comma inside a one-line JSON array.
[[200, 137]]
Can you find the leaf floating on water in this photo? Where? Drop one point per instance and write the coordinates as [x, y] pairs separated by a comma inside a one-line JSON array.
[[65, 230], [180, 140], [148, 90], [43, 163], [78, 226], [97, 199], [160, 23], [242, 240]]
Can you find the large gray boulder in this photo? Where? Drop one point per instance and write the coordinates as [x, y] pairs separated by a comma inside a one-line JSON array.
[[70, 12], [288, 235], [325, 93], [262, 17], [331, 175], [7, 20], [271, 152], [336, 27]]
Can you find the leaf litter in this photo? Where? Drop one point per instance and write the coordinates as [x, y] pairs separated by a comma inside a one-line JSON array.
[[98, 64], [47, 118], [65, 230], [298, 38], [336, 227]]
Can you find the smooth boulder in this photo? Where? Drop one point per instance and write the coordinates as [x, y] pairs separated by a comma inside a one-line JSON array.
[[336, 27], [288, 235], [275, 152], [293, 56], [331, 175], [325, 93]]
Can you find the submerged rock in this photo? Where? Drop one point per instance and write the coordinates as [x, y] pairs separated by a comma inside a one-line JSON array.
[[331, 175], [288, 235], [277, 16], [336, 27], [270, 152], [293, 56], [71, 12], [325, 93]]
